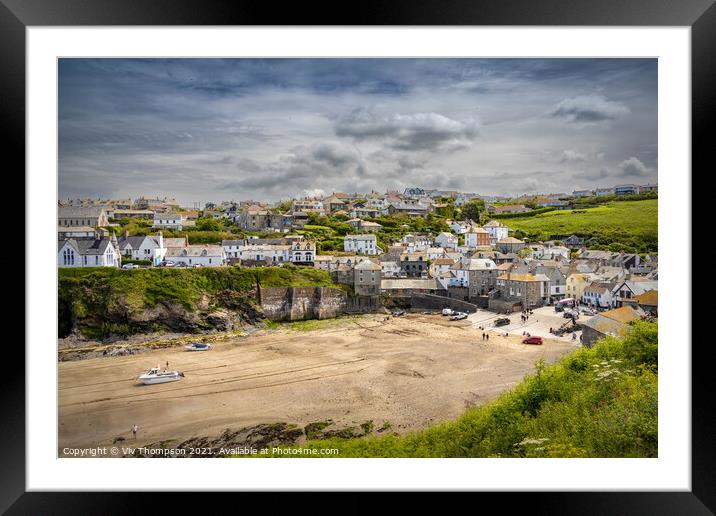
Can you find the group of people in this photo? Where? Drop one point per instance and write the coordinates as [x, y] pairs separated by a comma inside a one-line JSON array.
[[485, 336], [526, 315]]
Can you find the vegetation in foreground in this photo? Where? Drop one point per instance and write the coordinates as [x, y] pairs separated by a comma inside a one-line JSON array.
[[598, 402], [626, 226]]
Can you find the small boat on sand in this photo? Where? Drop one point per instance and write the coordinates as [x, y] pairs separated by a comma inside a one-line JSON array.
[[155, 375], [197, 346]]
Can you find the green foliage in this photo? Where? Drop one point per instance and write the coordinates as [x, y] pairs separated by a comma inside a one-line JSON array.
[[472, 209], [91, 296], [598, 402], [628, 226], [208, 224], [532, 213]]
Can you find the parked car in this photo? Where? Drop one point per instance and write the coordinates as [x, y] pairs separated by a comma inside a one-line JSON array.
[[502, 321], [398, 313], [532, 340], [130, 266], [558, 308], [448, 311], [168, 264], [458, 316]]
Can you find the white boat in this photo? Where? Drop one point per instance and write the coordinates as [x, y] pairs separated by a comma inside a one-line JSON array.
[[154, 375], [198, 346]]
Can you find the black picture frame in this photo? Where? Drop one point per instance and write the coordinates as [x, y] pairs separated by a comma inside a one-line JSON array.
[[700, 15]]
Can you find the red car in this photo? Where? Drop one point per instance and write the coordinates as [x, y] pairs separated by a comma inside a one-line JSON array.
[[532, 340]]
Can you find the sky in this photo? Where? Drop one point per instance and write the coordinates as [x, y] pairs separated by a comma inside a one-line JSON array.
[[204, 130]]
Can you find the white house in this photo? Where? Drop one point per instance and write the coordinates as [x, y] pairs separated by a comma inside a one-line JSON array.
[[598, 295], [233, 248], [446, 240], [88, 252], [552, 253], [631, 289], [390, 269], [303, 251], [497, 230], [361, 244], [150, 247], [204, 255], [459, 227], [435, 252], [169, 221]]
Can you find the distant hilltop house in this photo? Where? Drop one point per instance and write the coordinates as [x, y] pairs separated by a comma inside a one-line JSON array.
[[100, 250], [411, 209], [582, 193], [626, 189], [510, 208], [92, 216], [156, 204], [175, 221], [364, 225], [603, 192], [414, 192]]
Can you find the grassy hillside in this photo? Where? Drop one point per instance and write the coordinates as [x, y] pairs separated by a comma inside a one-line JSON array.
[[103, 300], [599, 402], [629, 226]]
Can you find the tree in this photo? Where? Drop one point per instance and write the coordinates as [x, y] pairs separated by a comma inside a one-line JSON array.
[[472, 209], [208, 224]]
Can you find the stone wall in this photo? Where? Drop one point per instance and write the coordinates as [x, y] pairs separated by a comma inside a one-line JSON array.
[[299, 303], [430, 301]]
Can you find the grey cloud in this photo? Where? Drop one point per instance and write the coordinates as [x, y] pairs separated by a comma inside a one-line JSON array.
[[418, 131], [589, 108], [634, 167], [570, 155]]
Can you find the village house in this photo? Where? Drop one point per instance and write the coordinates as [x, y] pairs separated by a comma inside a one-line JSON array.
[[557, 281], [440, 265], [459, 227], [323, 262], [92, 216], [366, 211], [446, 240], [163, 204], [193, 255], [98, 251], [598, 294], [530, 290], [577, 282], [150, 247], [512, 208], [390, 269], [574, 242], [309, 206], [628, 189], [481, 275], [364, 225], [477, 237], [411, 209], [173, 221], [510, 245], [613, 323], [367, 278], [626, 290], [361, 244], [581, 193], [414, 264], [129, 214], [333, 203], [302, 251], [603, 192], [555, 252], [64, 233], [497, 230], [647, 302], [233, 248]]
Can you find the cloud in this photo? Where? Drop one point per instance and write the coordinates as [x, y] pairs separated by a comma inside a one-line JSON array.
[[593, 175], [589, 108], [634, 167], [569, 156], [418, 131]]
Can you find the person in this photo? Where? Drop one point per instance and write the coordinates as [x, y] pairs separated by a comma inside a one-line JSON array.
[[134, 430], [487, 336], [574, 336], [167, 367]]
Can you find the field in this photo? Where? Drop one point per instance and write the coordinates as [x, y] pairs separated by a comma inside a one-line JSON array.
[[630, 226]]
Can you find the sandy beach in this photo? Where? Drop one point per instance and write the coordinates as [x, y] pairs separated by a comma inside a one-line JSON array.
[[410, 371]]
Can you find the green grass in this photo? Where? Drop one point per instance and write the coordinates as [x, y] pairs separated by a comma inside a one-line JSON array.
[[599, 402], [91, 296], [630, 226]]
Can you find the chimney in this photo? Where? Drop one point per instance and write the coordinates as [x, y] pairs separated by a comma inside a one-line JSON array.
[[126, 233], [161, 240]]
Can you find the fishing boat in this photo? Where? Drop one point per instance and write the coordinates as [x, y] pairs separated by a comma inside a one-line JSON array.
[[198, 346], [155, 375]]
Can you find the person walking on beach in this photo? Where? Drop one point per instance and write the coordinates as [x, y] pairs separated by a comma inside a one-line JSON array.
[[134, 430]]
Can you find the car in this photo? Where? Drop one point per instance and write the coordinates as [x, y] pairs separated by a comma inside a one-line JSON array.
[[533, 339], [558, 308], [458, 316], [169, 264], [130, 266], [398, 313], [448, 311], [502, 321]]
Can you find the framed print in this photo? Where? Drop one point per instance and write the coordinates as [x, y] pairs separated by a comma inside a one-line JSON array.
[[424, 243]]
